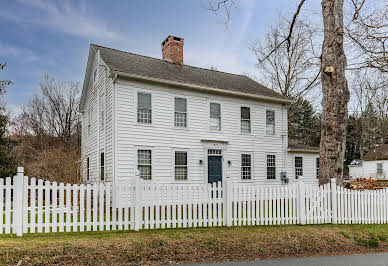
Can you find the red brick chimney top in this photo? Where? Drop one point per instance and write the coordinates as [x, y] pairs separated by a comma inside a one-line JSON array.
[[172, 50]]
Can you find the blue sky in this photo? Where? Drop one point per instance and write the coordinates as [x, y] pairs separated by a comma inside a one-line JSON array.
[[52, 36]]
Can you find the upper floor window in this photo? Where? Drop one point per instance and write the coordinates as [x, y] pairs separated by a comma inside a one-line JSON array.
[[180, 114], [379, 168], [180, 165], [246, 166], [215, 116], [102, 166], [317, 167], [144, 109], [270, 122], [144, 164], [298, 166], [245, 120], [271, 166]]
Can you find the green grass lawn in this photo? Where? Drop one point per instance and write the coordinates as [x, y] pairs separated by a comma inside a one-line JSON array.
[[192, 245]]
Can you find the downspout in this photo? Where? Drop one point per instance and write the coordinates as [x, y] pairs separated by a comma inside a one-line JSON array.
[[98, 119], [284, 135], [114, 148]]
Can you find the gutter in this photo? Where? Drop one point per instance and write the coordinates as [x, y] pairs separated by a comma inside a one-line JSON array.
[[200, 87], [302, 150]]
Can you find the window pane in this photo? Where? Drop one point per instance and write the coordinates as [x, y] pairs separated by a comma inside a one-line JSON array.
[[271, 166], [270, 122], [180, 105], [246, 166], [144, 100], [215, 123], [181, 172], [180, 158], [245, 113], [215, 110], [298, 166]]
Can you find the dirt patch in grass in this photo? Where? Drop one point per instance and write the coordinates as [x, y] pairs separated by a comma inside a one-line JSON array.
[[192, 245]]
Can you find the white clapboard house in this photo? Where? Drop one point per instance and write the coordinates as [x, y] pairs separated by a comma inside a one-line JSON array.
[[373, 164], [182, 124]]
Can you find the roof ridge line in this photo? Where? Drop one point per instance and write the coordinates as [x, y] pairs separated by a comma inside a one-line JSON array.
[[223, 72]]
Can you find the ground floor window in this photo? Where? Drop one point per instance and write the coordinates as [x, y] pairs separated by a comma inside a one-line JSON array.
[[180, 165], [144, 164], [246, 166], [317, 167], [102, 166], [298, 166], [87, 168], [379, 168], [271, 166]]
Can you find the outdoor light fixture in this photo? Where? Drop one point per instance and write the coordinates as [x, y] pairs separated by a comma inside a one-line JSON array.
[[200, 162], [229, 163]]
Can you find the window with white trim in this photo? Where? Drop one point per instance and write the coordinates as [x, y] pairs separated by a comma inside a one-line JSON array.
[[270, 122], [180, 112], [102, 166], [144, 164], [180, 165], [144, 108], [215, 116], [271, 166], [87, 168], [379, 168], [298, 166], [245, 120], [317, 167], [246, 166]]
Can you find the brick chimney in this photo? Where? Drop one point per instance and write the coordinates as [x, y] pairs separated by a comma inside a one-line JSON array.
[[172, 50]]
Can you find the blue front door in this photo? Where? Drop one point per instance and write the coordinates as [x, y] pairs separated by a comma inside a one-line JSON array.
[[214, 168]]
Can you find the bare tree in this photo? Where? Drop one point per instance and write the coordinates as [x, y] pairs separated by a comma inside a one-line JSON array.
[[292, 68], [4, 83], [335, 90]]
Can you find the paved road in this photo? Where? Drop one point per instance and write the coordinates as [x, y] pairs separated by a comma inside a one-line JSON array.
[[362, 259]]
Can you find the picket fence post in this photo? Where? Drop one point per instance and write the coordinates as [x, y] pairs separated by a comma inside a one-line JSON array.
[[228, 201], [301, 203], [18, 183], [333, 186], [138, 201]]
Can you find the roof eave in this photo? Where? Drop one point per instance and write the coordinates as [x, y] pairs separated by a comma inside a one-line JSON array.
[[202, 88], [302, 150]]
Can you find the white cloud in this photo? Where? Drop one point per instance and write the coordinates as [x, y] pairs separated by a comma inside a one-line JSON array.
[[62, 17], [247, 14], [19, 52]]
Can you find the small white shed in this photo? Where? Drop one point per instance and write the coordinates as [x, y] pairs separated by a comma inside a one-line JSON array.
[[374, 164]]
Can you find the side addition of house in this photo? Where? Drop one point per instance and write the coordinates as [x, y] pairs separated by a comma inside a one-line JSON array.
[[374, 164], [182, 124]]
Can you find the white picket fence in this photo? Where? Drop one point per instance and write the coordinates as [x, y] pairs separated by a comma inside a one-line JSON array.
[[29, 205]]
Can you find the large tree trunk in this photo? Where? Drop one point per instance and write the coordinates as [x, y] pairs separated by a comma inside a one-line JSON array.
[[335, 93]]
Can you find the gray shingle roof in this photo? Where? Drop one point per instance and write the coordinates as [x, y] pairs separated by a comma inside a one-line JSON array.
[[379, 152], [134, 64], [293, 145]]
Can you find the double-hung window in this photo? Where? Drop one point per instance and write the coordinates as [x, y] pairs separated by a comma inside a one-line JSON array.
[[246, 166], [298, 166], [180, 165], [379, 168], [215, 116], [270, 122], [317, 167], [144, 164], [180, 112], [87, 169], [245, 120], [271, 166], [144, 109], [102, 166]]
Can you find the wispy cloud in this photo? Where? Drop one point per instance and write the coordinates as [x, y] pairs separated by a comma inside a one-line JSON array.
[[60, 16], [21, 53], [247, 14]]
